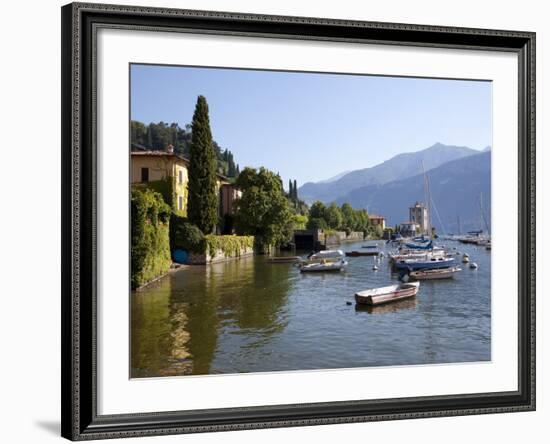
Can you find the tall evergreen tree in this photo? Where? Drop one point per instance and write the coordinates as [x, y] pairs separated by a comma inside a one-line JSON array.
[[202, 203], [295, 192], [290, 192]]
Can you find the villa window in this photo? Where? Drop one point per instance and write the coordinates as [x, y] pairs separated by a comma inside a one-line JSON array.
[[180, 202], [180, 177]]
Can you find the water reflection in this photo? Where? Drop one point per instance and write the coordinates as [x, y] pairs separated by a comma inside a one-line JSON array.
[[176, 322], [253, 316]]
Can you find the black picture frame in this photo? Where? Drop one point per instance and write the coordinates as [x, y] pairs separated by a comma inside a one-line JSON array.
[[79, 391]]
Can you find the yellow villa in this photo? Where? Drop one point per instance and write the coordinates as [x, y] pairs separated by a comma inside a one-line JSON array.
[[154, 167]]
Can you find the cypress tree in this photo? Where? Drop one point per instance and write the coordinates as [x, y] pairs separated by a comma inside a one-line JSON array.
[[290, 192], [295, 191], [202, 203]]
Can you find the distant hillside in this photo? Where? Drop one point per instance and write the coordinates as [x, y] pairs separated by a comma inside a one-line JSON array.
[[398, 167], [455, 189]]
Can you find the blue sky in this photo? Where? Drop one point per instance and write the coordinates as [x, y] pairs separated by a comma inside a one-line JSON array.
[[309, 126]]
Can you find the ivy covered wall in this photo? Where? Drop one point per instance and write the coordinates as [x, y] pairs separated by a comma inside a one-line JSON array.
[[150, 244]]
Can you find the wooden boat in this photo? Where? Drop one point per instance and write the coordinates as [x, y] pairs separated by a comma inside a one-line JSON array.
[[360, 253], [391, 293], [283, 259], [443, 273]]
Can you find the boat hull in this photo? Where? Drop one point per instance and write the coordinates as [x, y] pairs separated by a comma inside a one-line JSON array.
[[444, 273], [403, 291], [361, 253], [424, 265]]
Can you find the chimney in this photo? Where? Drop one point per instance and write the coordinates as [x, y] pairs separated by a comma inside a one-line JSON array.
[[170, 149]]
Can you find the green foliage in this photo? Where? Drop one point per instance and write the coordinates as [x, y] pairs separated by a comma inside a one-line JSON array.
[[185, 236], [263, 210], [317, 210], [202, 200], [333, 216], [163, 186], [316, 223], [378, 232], [157, 136], [150, 246], [230, 245], [300, 221]]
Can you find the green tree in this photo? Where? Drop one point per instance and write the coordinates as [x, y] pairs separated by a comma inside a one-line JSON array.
[[290, 192], [263, 209], [333, 216], [295, 191], [349, 217], [316, 223], [317, 210], [203, 202]]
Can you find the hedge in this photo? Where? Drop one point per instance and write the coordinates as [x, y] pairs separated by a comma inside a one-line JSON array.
[[230, 245], [150, 245]]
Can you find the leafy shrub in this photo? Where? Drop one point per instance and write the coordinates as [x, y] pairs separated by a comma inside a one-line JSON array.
[[150, 245], [185, 236]]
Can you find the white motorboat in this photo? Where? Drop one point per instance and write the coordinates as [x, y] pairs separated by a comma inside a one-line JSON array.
[[327, 260]]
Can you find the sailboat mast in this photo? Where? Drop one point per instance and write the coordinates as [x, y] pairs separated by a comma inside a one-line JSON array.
[[427, 200]]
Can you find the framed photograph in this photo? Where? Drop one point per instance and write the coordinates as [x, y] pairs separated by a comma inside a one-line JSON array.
[[280, 221]]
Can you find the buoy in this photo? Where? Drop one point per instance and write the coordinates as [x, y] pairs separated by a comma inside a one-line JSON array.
[[375, 267], [473, 265]]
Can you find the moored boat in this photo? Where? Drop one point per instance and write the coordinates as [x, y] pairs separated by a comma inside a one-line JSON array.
[[424, 263], [324, 266], [383, 295], [443, 273], [360, 253], [327, 260]]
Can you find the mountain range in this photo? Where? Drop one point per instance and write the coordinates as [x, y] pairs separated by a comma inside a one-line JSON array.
[[458, 176]]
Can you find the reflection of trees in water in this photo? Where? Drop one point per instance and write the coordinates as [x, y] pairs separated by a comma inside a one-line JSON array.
[[176, 322]]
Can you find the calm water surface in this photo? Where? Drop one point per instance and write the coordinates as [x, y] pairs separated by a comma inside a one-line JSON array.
[[252, 316]]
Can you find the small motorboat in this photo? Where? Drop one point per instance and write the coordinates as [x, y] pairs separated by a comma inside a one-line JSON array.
[[391, 293], [465, 258], [324, 265], [443, 273], [473, 266], [326, 260]]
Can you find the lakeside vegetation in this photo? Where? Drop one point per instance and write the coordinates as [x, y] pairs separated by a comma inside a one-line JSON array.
[[150, 244], [344, 218], [264, 217]]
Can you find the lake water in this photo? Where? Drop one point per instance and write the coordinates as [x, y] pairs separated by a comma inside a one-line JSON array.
[[253, 316]]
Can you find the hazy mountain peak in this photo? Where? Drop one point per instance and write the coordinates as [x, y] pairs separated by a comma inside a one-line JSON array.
[[398, 167]]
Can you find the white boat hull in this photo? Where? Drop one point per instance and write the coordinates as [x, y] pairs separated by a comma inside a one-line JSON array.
[[445, 273], [384, 295]]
